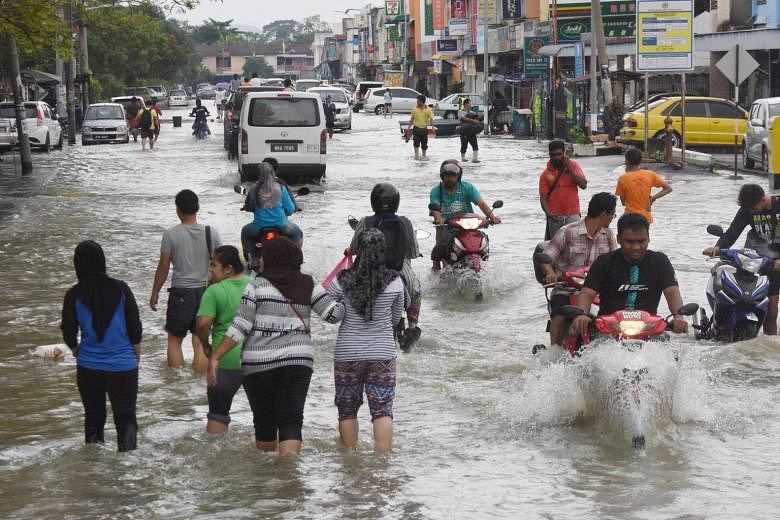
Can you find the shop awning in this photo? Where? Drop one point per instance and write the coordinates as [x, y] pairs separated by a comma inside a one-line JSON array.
[[443, 57], [37, 76]]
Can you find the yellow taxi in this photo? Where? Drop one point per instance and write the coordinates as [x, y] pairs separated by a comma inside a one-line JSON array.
[[708, 121]]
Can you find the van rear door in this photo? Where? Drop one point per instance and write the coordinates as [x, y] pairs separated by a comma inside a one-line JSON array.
[[285, 126]]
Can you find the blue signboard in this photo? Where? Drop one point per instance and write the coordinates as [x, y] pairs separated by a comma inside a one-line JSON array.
[[579, 62], [446, 45], [512, 9]]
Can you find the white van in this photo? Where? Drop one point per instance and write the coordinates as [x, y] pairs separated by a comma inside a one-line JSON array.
[[286, 129]]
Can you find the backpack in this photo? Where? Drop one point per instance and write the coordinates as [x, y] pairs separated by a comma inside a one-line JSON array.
[[146, 119]]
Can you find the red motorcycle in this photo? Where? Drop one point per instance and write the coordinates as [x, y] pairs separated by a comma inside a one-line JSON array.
[[469, 246], [571, 284]]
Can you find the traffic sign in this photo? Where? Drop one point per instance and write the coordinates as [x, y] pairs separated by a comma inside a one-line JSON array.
[[728, 65]]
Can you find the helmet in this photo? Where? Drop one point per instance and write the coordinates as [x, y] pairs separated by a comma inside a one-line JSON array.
[[450, 166], [385, 198]]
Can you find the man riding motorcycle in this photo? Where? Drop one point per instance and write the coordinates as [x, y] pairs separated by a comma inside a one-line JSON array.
[[401, 248], [200, 113], [454, 196], [577, 245], [632, 277], [760, 212]]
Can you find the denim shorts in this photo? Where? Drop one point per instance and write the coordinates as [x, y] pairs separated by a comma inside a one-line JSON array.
[[221, 395], [182, 309]]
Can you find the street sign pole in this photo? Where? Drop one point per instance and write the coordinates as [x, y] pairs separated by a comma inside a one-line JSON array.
[[736, 102]]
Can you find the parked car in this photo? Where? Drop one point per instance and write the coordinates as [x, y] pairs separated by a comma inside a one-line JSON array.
[[178, 98], [43, 128], [449, 106], [231, 119], [404, 99], [303, 85], [340, 98], [104, 123], [708, 121], [144, 93], [158, 91], [274, 82], [8, 132], [755, 147], [286, 129], [361, 89], [207, 92]]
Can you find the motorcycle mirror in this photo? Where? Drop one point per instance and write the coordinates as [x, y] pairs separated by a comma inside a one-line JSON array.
[[434, 207], [352, 221], [498, 204], [541, 258], [240, 189], [570, 311], [714, 230], [303, 191], [689, 309]]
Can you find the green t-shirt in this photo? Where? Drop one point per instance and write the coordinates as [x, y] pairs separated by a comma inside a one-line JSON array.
[[221, 302]]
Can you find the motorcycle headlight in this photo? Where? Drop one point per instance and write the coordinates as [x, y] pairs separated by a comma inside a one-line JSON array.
[[632, 327], [469, 223], [578, 281], [752, 265]]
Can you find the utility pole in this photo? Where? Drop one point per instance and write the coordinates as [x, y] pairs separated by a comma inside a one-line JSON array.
[[84, 60], [70, 70], [21, 126], [486, 66], [597, 29]]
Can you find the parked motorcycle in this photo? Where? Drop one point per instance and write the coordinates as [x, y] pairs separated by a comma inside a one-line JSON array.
[[737, 292], [469, 247], [629, 386], [253, 256]]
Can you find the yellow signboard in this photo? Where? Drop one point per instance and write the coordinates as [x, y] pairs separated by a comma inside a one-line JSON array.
[[664, 35]]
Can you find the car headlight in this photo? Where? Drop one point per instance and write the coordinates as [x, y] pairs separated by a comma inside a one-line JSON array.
[[86, 129], [751, 265], [121, 128]]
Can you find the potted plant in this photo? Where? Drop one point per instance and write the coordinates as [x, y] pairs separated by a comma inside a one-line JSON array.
[[613, 119], [581, 145]]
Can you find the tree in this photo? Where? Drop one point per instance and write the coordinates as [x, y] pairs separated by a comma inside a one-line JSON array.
[[213, 31], [257, 65], [282, 30], [312, 24]]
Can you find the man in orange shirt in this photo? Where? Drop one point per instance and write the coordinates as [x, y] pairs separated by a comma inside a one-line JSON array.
[[634, 186]]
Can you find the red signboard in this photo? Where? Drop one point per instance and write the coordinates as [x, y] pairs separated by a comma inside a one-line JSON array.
[[458, 9], [438, 15]]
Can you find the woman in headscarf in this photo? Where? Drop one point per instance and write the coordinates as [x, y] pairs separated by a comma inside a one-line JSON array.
[[365, 349], [104, 311], [271, 204], [278, 357]]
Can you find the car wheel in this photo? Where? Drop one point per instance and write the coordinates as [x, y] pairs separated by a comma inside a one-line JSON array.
[[47, 145], [379, 110], [676, 139], [764, 160], [747, 162]]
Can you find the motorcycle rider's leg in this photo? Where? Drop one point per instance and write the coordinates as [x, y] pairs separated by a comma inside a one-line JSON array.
[[294, 233], [770, 322], [248, 237], [557, 330]]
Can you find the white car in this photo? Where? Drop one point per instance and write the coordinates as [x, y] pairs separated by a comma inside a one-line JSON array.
[[340, 98], [178, 98], [43, 128], [286, 129], [104, 123], [449, 106], [8, 133], [303, 85], [404, 99]]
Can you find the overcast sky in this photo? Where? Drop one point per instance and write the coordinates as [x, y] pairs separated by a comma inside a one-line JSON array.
[[261, 12]]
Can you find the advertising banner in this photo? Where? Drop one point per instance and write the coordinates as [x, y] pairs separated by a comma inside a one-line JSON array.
[[579, 61], [533, 61], [474, 23], [664, 39], [438, 15], [512, 9], [428, 18], [459, 27], [446, 45], [458, 9], [392, 33], [491, 11]]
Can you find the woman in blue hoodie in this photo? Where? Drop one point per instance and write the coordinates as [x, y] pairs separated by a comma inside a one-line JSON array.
[[104, 311]]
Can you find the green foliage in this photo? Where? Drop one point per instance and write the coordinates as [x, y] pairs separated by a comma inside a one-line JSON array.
[[455, 88], [35, 25], [257, 65], [577, 136], [659, 156], [283, 30]]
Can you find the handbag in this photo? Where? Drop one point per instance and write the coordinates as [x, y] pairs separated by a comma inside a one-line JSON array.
[[345, 263]]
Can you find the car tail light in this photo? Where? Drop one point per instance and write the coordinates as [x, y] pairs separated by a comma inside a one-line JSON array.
[[40, 117], [13, 127], [244, 142], [324, 142], [631, 123]]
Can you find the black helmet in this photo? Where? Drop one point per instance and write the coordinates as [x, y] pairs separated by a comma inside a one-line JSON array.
[[450, 166], [385, 198]]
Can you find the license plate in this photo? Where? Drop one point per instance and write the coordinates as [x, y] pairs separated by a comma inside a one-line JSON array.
[[3, 128], [102, 137], [292, 147]]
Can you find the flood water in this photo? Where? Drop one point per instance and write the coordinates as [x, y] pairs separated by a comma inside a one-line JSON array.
[[482, 428]]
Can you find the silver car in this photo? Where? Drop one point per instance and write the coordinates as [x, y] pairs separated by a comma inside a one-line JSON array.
[[8, 133], [755, 145], [340, 98], [104, 123]]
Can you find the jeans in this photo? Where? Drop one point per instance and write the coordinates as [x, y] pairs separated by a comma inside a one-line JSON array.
[[249, 234]]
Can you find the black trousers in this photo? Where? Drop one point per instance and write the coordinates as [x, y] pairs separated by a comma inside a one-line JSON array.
[[122, 390], [277, 398], [420, 137], [468, 139]]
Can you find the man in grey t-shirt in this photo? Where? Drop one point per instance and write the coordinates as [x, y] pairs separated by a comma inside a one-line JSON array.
[[185, 246]]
